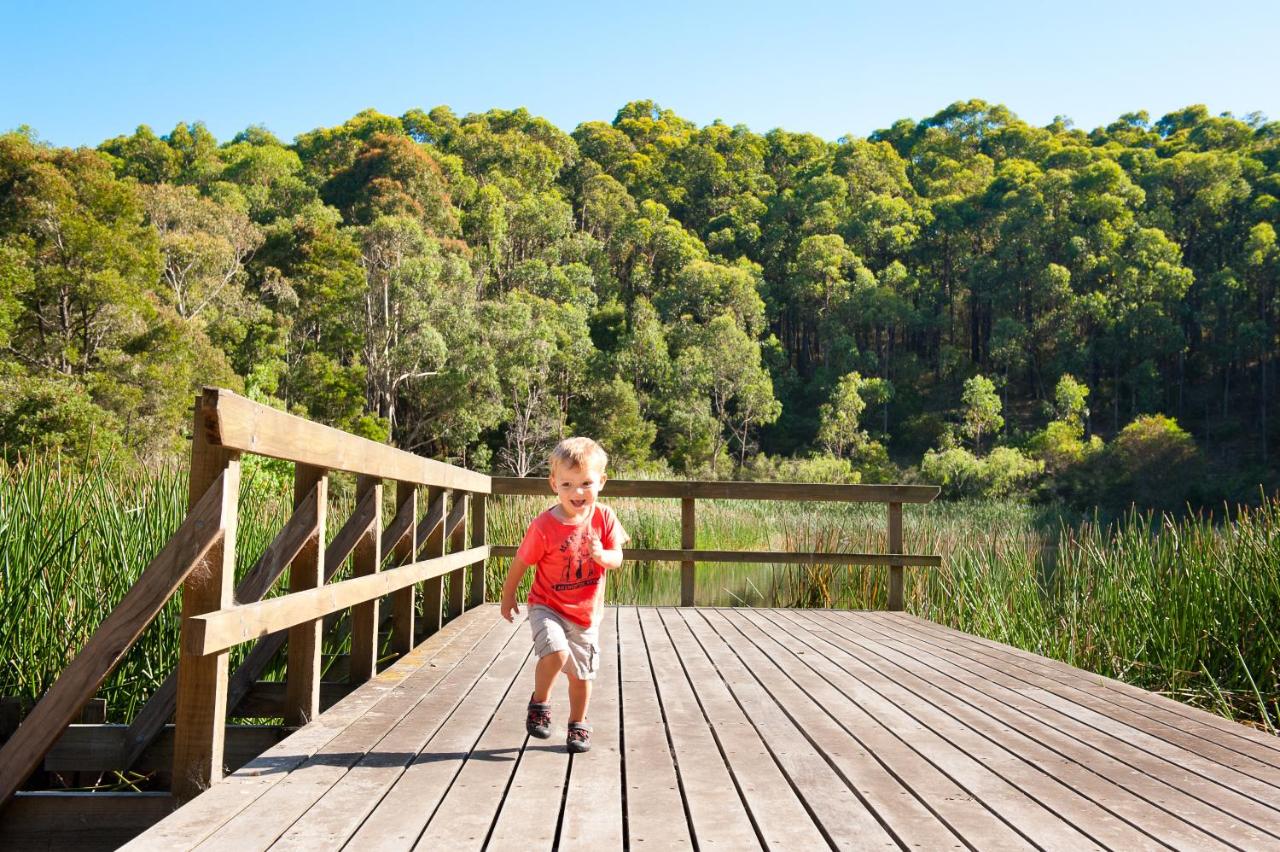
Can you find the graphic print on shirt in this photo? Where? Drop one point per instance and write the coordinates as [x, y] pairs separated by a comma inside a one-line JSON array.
[[579, 568]]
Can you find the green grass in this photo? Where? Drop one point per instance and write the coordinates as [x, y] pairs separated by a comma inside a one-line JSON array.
[[1185, 607]]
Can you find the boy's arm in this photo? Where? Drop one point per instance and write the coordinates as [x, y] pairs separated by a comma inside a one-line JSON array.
[[510, 607], [607, 559]]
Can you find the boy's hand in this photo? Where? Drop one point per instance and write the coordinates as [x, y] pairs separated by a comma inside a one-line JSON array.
[[597, 549], [510, 609]]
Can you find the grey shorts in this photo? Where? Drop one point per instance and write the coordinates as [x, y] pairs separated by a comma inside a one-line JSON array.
[[552, 632]]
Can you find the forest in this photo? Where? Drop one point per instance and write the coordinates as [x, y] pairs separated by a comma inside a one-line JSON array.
[[966, 299]]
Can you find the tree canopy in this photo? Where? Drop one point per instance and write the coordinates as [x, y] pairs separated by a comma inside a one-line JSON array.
[[474, 286]]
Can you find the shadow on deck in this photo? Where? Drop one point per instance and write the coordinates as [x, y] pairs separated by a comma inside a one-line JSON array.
[[737, 728]]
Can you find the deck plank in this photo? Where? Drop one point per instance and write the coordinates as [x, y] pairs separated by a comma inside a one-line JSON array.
[[654, 806], [955, 806], [272, 815], [339, 812], [983, 741], [400, 816], [949, 746], [716, 809], [464, 816], [748, 728], [229, 798], [779, 815], [593, 802], [530, 813], [1264, 747], [842, 816], [1221, 788], [1201, 737], [1157, 809], [903, 814]]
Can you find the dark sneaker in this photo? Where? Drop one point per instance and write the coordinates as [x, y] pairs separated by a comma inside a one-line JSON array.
[[538, 722], [579, 737]]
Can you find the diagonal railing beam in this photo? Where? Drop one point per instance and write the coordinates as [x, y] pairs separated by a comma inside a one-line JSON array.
[[151, 719], [153, 716], [80, 680]]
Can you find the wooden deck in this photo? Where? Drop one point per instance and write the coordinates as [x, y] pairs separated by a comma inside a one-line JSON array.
[[748, 728]]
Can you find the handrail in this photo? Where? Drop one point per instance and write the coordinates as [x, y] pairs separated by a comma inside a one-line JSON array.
[[731, 490], [689, 491], [791, 557], [234, 422], [217, 631]]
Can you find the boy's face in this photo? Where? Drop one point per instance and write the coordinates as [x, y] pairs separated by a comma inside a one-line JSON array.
[[576, 488]]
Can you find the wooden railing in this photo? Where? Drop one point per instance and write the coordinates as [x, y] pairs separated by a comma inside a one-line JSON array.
[[422, 547], [425, 541], [690, 491]]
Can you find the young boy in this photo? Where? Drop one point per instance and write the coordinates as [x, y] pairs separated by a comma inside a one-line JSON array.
[[571, 544]]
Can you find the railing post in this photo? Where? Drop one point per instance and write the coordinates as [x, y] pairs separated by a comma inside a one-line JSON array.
[[895, 547], [433, 589], [478, 538], [688, 541], [200, 712], [366, 559], [402, 601], [302, 677], [458, 541]]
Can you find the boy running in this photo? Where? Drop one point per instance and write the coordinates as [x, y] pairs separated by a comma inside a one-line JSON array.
[[571, 544]]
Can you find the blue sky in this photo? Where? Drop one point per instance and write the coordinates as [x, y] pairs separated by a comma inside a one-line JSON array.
[[79, 73]]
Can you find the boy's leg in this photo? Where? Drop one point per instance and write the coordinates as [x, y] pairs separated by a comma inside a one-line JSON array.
[[579, 697], [544, 676]]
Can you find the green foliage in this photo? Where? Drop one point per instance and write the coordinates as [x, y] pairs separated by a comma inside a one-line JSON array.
[[361, 275], [839, 417], [981, 409], [1152, 462], [819, 468], [1003, 472], [38, 415], [1070, 402], [611, 415]]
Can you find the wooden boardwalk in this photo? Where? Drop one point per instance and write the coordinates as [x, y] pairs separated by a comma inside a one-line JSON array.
[[749, 728]]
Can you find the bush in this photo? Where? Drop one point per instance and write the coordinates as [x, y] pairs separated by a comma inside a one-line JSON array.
[[820, 468], [54, 414], [1060, 446], [956, 470], [1005, 472], [871, 462], [1153, 463]]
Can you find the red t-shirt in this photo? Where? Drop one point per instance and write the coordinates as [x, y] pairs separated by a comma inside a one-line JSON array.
[[566, 578]]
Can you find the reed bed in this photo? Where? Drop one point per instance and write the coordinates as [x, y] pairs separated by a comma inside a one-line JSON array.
[[1181, 606]]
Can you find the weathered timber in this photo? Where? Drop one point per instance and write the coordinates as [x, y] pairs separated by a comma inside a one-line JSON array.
[[228, 627], [86, 822], [895, 547], [783, 557], [100, 748], [199, 534], [688, 541], [458, 541], [238, 423], [367, 560], [200, 710], [478, 539], [405, 550], [432, 588], [306, 572], [790, 491], [261, 577]]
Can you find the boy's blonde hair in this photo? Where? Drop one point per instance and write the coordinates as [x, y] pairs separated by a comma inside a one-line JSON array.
[[579, 452]]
